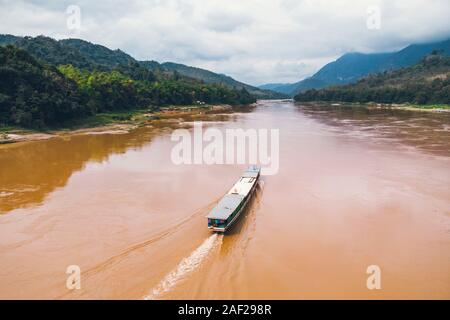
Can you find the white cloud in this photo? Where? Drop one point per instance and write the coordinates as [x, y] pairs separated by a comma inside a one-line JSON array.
[[254, 41]]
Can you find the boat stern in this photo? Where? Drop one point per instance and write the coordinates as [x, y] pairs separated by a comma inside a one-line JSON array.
[[217, 225]]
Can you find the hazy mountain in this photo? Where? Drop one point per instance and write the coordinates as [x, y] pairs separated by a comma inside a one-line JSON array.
[[425, 82], [85, 55], [271, 86], [211, 77], [290, 88], [353, 66]]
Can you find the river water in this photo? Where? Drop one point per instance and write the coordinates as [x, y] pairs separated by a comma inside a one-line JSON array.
[[356, 187]]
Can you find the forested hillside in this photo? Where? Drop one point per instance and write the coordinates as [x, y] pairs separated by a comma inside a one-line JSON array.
[[212, 77], [47, 91], [33, 94], [423, 83], [351, 67], [86, 55]]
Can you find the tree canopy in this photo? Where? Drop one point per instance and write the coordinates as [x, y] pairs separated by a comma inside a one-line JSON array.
[[427, 82], [37, 94]]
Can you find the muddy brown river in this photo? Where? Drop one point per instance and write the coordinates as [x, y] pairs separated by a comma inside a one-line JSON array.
[[356, 187]]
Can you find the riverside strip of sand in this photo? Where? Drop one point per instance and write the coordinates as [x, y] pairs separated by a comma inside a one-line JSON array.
[[167, 117]]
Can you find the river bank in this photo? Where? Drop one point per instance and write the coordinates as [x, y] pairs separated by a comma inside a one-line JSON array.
[[123, 122], [354, 189], [391, 106]]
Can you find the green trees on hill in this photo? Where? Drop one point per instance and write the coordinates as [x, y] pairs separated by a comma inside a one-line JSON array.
[[424, 83], [36, 94], [89, 56], [107, 91], [33, 94], [104, 91]]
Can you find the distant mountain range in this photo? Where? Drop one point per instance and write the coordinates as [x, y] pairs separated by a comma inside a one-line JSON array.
[[426, 82], [211, 77], [86, 55], [353, 66]]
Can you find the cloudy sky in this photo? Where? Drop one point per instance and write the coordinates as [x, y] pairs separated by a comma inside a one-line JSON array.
[[255, 41]]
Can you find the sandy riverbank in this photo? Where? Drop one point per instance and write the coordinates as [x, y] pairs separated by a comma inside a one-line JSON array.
[[166, 117]]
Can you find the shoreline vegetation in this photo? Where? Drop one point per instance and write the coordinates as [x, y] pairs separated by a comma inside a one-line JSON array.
[[120, 122], [38, 94], [425, 83], [376, 105], [48, 88]]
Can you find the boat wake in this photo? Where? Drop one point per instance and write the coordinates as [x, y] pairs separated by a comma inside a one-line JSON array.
[[186, 266]]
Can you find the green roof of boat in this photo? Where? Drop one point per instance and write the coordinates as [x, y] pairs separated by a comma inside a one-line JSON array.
[[225, 207]]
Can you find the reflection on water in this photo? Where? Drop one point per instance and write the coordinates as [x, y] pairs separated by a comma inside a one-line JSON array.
[[29, 171], [356, 187], [426, 131]]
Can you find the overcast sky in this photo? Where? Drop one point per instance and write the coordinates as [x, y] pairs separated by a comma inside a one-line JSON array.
[[254, 41]]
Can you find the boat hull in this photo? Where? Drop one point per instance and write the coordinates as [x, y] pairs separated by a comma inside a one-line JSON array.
[[243, 207]]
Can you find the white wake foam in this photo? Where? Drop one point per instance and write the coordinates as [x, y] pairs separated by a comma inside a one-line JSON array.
[[186, 266]]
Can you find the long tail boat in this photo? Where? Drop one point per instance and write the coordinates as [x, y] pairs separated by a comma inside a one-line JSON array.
[[234, 202]]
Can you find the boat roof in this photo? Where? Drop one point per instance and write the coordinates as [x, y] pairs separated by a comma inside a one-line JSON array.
[[243, 186], [226, 206]]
